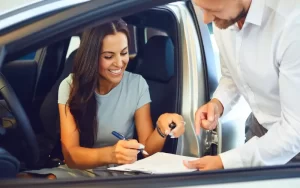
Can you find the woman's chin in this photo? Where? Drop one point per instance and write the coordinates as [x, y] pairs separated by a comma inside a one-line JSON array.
[[115, 79]]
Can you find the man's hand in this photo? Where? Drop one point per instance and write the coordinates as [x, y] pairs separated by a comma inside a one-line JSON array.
[[205, 163], [207, 115]]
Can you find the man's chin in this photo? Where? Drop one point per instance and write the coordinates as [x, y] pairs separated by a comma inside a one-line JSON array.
[[223, 24]]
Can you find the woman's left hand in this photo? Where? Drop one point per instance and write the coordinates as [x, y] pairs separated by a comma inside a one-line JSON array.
[[166, 119]]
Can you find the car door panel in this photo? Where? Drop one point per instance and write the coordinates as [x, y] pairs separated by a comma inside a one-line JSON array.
[[193, 85], [275, 177], [231, 127]]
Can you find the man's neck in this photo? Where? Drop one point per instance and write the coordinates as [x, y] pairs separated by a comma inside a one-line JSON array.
[[247, 4], [241, 22]]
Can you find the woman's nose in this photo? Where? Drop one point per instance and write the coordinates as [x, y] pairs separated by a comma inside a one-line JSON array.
[[119, 62]]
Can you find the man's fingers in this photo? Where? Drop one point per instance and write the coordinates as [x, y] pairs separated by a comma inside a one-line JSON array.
[[206, 124], [204, 115], [214, 124], [209, 125], [211, 112], [196, 164], [205, 163], [188, 165], [198, 117]]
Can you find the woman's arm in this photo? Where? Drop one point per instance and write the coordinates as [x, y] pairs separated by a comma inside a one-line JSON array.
[[147, 135], [150, 137], [76, 156], [87, 158]]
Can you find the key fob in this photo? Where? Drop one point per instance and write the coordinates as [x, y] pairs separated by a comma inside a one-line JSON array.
[[172, 125]]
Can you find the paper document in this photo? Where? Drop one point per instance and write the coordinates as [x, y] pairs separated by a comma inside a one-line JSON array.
[[159, 163]]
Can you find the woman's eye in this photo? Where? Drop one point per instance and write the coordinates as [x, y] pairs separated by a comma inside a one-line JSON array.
[[107, 57], [124, 53]]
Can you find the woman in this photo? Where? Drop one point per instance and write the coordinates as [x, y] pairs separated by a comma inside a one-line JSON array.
[[101, 97]]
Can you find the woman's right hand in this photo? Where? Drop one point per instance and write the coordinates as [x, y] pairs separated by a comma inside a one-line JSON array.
[[125, 152]]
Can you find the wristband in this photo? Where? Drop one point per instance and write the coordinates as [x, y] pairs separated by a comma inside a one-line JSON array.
[[160, 133]]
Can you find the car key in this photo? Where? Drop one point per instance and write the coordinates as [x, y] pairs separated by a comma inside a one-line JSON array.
[[172, 125]]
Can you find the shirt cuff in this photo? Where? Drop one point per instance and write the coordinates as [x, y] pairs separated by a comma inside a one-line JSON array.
[[223, 98], [231, 159]]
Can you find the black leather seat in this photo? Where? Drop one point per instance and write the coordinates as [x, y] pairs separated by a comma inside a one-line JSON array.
[[9, 165], [49, 109], [157, 67], [50, 118]]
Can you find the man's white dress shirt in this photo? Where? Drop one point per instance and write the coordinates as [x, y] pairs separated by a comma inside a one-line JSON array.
[[262, 63]]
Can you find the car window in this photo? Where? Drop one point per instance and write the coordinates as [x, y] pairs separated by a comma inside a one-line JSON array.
[[29, 56], [150, 32], [10, 6], [33, 9], [133, 40], [75, 42]]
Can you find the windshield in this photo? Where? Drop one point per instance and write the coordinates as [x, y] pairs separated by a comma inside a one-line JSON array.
[[16, 5], [32, 9]]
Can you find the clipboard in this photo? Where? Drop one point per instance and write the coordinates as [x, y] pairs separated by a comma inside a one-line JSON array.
[[159, 163]]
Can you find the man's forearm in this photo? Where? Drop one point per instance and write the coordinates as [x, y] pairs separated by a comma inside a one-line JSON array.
[[219, 104]]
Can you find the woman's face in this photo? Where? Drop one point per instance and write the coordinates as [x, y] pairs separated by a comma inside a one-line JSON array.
[[114, 57]]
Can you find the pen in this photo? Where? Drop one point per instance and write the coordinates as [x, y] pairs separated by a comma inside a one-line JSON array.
[[121, 137]]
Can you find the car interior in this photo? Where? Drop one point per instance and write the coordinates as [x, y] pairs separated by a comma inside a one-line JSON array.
[[35, 79]]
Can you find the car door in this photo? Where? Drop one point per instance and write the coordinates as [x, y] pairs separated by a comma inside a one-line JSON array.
[[194, 88], [230, 132], [199, 80]]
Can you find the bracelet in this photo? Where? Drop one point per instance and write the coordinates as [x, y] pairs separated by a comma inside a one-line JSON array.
[[160, 133]]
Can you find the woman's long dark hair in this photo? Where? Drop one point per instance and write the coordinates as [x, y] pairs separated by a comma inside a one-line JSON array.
[[82, 101]]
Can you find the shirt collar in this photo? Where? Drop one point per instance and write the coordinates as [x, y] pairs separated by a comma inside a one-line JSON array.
[[255, 14]]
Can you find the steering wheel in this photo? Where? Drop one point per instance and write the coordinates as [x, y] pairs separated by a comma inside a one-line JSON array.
[[22, 120]]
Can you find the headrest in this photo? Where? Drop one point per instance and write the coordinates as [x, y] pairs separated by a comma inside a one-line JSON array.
[[158, 59], [69, 64]]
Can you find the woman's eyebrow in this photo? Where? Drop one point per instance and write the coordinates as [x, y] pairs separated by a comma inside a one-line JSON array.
[[107, 52], [125, 48], [114, 52]]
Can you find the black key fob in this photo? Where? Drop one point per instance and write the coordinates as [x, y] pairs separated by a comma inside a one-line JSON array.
[[172, 125]]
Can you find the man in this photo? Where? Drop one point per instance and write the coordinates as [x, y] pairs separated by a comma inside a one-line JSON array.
[[259, 45]]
